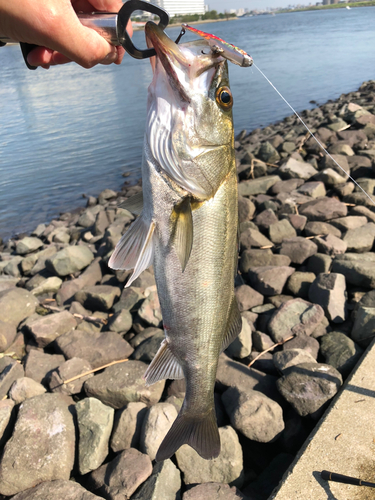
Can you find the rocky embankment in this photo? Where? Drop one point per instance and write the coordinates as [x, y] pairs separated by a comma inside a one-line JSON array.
[[72, 428]]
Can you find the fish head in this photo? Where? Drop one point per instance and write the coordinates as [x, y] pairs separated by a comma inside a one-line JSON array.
[[189, 110]]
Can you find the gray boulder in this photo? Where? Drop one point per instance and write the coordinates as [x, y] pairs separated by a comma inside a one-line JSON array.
[[25, 388], [323, 209], [256, 416], [299, 284], [123, 383], [364, 325], [98, 297], [164, 483], [10, 371], [27, 245], [226, 468], [358, 269], [269, 280], [127, 426], [247, 297], [72, 368], [95, 421], [241, 345], [328, 290], [340, 352], [42, 446], [7, 417], [257, 186], [150, 310], [213, 491], [16, 304], [39, 365], [68, 490], [8, 332], [70, 260], [120, 321], [147, 350], [360, 239], [46, 329], [156, 423], [308, 386], [298, 249], [330, 245], [291, 357]]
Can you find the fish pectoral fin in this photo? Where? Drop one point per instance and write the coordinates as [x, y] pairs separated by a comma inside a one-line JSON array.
[[135, 250], [234, 324], [134, 204], [182, 234], [201, 433], [164, 365]]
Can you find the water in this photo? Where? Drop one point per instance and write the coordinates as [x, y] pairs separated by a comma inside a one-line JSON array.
[[68, 131]]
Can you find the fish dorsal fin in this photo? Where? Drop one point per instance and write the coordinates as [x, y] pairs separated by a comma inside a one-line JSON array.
[[234, 324], [163, 366], [134, 204], [135, 250], [182, 233]]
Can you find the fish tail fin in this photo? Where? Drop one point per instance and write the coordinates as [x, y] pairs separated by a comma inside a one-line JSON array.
[[201, 433]]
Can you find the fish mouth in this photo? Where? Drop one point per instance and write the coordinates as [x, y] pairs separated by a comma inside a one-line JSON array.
[[169, 54]]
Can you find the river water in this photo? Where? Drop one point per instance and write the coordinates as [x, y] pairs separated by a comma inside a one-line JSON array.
[[69, 131]]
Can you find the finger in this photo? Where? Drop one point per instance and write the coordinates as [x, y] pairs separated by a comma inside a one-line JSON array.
[[40, 56]]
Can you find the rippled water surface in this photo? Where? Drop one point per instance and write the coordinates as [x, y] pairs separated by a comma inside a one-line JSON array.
[[68, 131]]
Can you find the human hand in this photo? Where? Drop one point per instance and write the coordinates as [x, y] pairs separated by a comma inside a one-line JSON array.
[[54, 26]]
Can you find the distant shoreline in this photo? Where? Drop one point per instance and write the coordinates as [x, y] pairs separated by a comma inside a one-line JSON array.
[[329, 7], [203, 21]]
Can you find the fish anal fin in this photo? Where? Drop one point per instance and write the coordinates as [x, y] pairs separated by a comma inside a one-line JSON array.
[[164, 365], [200, 432], [234, 324], [135, 250], [134, 204], [182, 234]]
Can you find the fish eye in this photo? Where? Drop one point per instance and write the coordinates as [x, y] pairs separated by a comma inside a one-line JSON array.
[[224, 97]]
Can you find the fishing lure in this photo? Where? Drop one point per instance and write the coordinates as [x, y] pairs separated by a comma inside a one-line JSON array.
[[219, 46]]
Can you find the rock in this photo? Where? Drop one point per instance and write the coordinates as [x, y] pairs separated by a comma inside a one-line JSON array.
[[265, 218], [308, 344], [49, 285], [147, 350], [269, 280], [246, 209], [42, 445], [25, 388], [70, 369], [6, 420], [68, 490], [291, 357], [12, 267], [46, 329], [241, 345], [87, 219], [8, 333], [286, 186], [329, 177], [331, 245], [98, 297], [98, 348], [340, 148], [123, 383], [16, 304], [127, 426], [256, 416], [259, 258], [299, 284], [144, 335], [360, 239], [268, 153], [129, 300], [156, 423], [39, 365], [314, 189], [164, 483], [296, 317], [257, 186], [231, 373], [42, 256], [349, 222], [70, 260], [226, 468], [27, 245], [308, 386], [251, 238], [281, 230], [121, 477], [213, 491], [150, 310], [247, 297], [328, 290], [323, 209], [364, 326], [261, 341], [319, 263], [120, 321], [340, 352], [297, 169], [10, 371], [318, 228], [95, 421], [298, 249], [358, 269]]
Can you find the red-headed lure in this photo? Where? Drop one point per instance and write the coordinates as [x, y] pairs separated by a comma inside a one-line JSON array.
[[227, 50]]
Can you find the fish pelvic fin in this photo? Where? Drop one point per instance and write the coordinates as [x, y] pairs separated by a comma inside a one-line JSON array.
[[164, 365], [201, 433], [135, 250], [134, 204], [182, 234], [234, 324]]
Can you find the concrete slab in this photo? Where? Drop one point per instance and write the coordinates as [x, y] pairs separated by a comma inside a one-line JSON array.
[[342, 442]]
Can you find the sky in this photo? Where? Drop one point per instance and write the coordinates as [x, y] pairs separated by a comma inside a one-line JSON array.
[[222, 5]]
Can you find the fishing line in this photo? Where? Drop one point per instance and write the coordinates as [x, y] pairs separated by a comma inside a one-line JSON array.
[[312, 135]]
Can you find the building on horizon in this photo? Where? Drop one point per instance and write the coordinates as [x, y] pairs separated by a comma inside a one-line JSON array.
[[182, 7]]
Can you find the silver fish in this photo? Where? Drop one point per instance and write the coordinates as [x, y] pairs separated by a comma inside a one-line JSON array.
[[188, 228]]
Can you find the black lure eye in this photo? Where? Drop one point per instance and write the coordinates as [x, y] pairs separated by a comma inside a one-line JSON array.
[[224, 97]]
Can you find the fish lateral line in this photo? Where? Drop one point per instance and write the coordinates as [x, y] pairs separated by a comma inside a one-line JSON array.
[[313, 135]]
